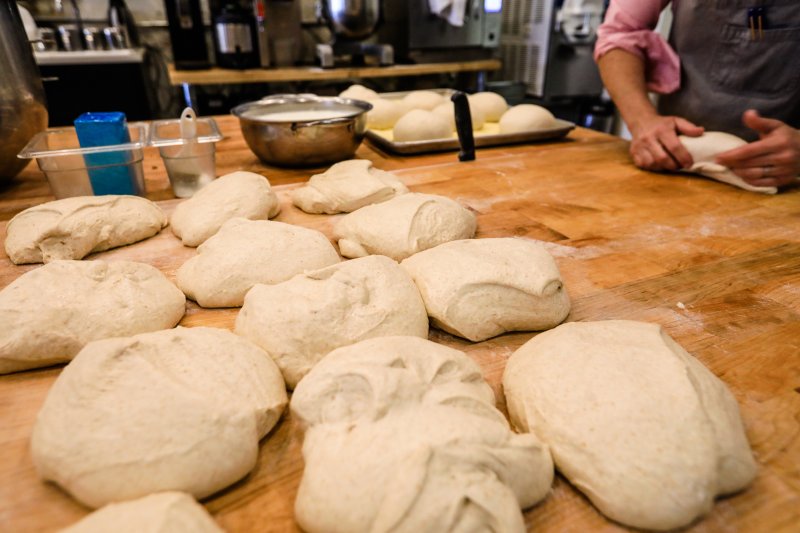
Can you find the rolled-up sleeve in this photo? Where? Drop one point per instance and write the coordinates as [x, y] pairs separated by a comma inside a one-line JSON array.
[[629, 25]]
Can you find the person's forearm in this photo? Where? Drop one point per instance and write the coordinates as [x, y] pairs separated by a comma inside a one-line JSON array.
[[624, 76]]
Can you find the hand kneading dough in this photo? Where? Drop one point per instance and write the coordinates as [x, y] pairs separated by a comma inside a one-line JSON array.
[[244, 253], [492, 105], [633, 420], [423, 100], [238, 194], [48, 314], [164, 512], [704, 148], [299, 321], [404, 437], [181, 409], [359, 92], [347, 186], [73, 228], [448, 111], [421, 125], [403, 226], [480, 288], [385, 113], [526, 117]]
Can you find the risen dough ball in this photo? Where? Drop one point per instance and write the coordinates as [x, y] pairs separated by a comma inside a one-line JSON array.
[[73, 228], [359, 92], [526, 117], [479, 288], [47, 315], [633, 420], [246, 252], [492, 105], [299, 321], [385, 113], [403, 226], [173, 512], [238, 194], [404, 437], [421, 125], [448, 111], [181, 409], [423, 100]]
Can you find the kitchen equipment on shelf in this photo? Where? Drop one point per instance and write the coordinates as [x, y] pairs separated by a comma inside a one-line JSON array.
[[351, 23], [235, 37], [22, 105], [303, 130], [187, 34]]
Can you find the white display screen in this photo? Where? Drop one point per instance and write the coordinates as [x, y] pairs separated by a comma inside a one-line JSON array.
[[493, 6]]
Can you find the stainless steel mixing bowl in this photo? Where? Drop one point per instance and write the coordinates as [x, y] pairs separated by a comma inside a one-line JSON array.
[[281, 130]]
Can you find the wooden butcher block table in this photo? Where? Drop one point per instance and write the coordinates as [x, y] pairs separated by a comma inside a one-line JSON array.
[[719, 268]]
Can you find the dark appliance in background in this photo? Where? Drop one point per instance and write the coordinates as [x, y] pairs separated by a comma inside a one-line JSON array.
[[187, 34], [419, 35], [235, 35]]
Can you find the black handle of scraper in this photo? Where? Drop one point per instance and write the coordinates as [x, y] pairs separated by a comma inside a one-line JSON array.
[[464, 126]]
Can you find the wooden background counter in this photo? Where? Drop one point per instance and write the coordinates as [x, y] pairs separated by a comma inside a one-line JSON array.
[[719, 268]]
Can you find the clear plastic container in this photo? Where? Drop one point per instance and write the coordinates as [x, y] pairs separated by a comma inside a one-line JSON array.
[[60, 156], [190, 163]]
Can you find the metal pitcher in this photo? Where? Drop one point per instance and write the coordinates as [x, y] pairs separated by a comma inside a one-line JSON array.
[[23, 113]]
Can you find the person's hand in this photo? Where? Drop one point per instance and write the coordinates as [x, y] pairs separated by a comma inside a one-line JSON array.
[[655, 144], [773, 160]]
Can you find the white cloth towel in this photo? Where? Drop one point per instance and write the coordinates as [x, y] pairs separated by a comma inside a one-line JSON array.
[[451, 10]]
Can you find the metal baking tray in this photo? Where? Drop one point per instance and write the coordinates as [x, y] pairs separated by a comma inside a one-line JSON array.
[[487, 136]]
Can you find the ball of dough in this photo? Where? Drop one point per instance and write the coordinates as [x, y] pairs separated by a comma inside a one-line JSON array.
[[347, 186], [421, 125], [526, 117], [359, 92], [73, 228], [181, 409], [364, 298], [385, 113], [238, 194], [423, 100], [405, 416], [448, 111], [48, 314], [403, 226], [492, 105], [630, 417], [247, 252], [176, 512], [480, 288]]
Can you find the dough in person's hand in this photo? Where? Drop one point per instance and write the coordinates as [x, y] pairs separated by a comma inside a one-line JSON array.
[[404, 436], [72, 228], [526, 117], [238, 194], [163, 512], [385, 113], [403, 226], [427, 100], [299, 321], [347, 186], [48, 314], [492, 105], [480, 288], [181, 409], [635, 422], [447, 110], [704, 148], [244, 253], [422, 125], [359, 92]]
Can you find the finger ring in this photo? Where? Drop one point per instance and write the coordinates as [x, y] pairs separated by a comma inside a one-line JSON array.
[[765, 171]]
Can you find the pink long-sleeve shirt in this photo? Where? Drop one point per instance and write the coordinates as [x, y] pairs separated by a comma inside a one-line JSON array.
[[629, 25]]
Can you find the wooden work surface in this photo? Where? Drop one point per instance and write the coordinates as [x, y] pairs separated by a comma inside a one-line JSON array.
[[215, 76], [719, 268]]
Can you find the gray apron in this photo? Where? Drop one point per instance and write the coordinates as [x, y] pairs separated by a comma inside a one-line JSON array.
[[725, 72]]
